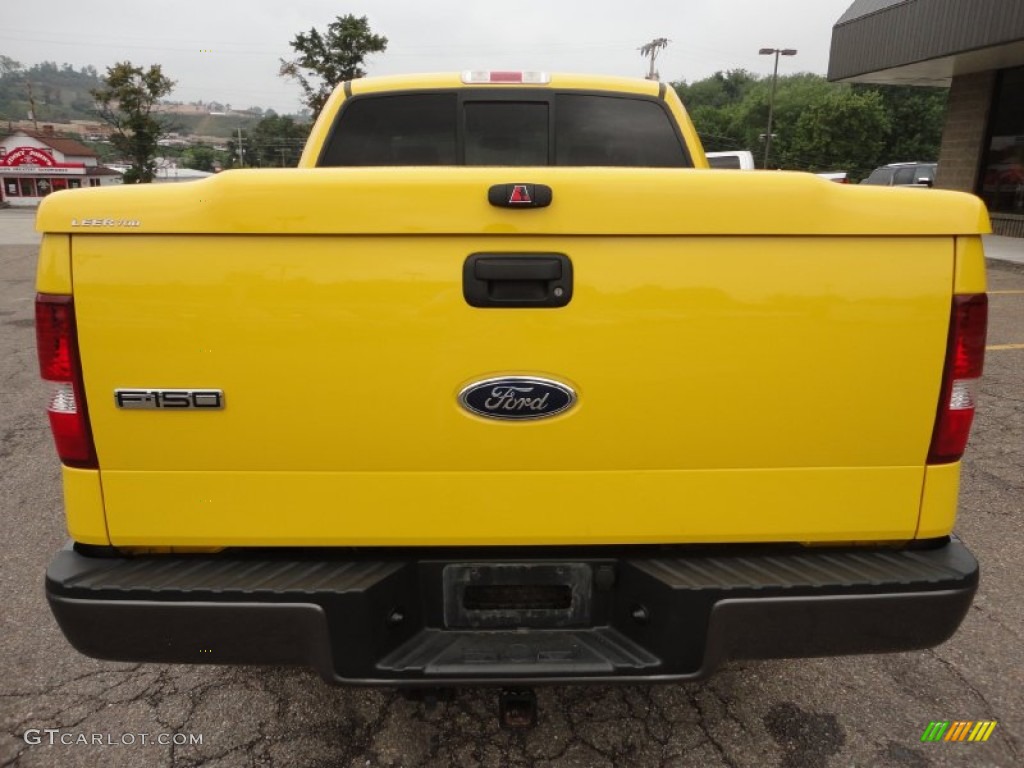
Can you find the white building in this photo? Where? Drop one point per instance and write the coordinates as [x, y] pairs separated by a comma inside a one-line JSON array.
[[168, 171], [35, 163]]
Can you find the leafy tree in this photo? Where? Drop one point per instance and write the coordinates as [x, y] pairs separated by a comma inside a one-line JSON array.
[[324, 60], [917, 116], [718, 127], [719, 90], [792, 97], [845, 129], [201, 157], [818, 125], [8, 65], [274, 141], [279, 141], [125, 101]]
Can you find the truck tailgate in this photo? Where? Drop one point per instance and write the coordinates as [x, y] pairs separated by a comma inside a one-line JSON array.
[[730, 388]]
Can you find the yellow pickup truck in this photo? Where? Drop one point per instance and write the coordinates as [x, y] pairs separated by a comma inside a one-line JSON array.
[[504, 385]]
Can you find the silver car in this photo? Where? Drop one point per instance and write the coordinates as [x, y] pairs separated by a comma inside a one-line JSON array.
[[903, 175]]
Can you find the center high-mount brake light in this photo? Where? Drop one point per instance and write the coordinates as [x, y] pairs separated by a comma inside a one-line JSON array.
[[965, 358], [492, 77], [59, 363]]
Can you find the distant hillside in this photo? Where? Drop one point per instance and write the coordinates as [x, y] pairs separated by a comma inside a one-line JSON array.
[[61, 93], [221, 126]]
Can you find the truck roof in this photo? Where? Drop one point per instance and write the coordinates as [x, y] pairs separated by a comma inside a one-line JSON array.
[[458, 80]]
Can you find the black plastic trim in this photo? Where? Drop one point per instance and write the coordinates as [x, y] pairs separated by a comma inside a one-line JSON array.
[[656, 614]]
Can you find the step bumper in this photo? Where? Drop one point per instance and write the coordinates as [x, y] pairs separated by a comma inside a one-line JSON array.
[[630, 614]]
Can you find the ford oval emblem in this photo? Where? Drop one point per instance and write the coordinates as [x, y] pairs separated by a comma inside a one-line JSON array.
[[517, 398]]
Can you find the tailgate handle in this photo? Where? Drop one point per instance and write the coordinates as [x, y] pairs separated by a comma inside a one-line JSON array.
[[522, 268], [510, 280]]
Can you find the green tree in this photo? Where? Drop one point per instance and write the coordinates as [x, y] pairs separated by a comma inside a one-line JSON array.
[[846, 129], [201, 157], [720, 90], [717, 127], [279, 141], [818, 125], [8, 65], [274, 141], [324, 60], [917, 116], [793, 95], [125, 101]]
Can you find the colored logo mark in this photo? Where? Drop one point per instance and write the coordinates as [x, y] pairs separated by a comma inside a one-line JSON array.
[[520, 194], [959, 730]]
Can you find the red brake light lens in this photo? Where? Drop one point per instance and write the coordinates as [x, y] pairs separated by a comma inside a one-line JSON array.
[[54, 321], [57, 345], [970, 318], [495, 77], [965, 358]]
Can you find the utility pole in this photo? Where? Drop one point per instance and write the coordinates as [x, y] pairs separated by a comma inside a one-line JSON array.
[[32, 102], [771, 99], [651, 49], [241, 150]]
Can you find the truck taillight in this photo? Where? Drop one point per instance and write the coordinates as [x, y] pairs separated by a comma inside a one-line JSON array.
[[965, 357], [59, 363]]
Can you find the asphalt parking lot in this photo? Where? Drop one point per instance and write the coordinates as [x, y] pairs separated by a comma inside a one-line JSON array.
[[860, 711]]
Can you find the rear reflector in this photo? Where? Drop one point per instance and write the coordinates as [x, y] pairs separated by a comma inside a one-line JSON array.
[[59, 363], [478, 77], [965, 358]]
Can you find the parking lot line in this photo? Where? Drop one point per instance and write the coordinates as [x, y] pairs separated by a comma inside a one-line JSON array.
[[1005, 293], [998, 347]]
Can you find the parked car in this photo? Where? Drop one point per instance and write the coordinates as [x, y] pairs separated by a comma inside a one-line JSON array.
[[741, 160], [839, 177], [903, 175]]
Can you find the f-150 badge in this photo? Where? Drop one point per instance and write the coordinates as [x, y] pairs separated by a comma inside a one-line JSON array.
[[169, 399], [517, 398]]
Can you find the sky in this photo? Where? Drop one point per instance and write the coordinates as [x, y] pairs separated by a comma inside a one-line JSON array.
[[230, 50]]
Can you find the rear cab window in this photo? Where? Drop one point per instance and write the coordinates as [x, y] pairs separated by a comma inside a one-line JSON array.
[[491, 128]]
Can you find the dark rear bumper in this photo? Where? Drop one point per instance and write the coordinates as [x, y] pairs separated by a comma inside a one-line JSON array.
[[644, 614]]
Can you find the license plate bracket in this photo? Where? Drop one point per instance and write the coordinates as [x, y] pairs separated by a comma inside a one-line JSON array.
[[514, 595]]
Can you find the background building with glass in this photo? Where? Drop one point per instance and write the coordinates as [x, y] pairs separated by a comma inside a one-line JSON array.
[[976, 48]]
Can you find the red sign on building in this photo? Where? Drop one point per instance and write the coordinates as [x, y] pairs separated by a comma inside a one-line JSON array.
[[27, 156]]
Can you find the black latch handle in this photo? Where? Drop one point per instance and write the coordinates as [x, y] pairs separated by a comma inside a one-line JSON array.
[[510, 280], [518, 268]]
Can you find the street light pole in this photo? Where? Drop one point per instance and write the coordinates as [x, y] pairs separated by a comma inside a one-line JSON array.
[[771, 99]]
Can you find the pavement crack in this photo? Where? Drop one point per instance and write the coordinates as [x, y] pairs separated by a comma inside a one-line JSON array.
[[703, 725]]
